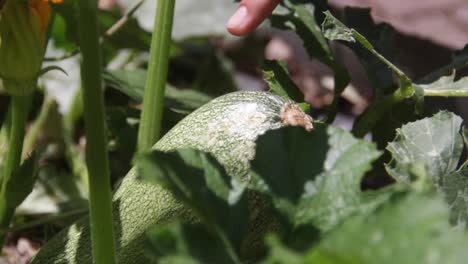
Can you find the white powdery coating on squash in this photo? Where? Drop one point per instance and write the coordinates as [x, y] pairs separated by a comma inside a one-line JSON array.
[[246, 122], [228, 127]]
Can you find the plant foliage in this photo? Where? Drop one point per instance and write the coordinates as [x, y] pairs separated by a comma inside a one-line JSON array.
[[394, 189]]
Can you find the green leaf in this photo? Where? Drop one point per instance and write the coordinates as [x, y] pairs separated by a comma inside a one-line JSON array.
[[335, 30], [313, 177], [51, 68], [382, 36], [388, 97], [430, 150], [132, 83], [435, 141], [277, 78], [122, 125], [179, 243], [455, 190], [201, 182], [446, 86], [301, 17], [22, 181], [411, 228], [64, 29]]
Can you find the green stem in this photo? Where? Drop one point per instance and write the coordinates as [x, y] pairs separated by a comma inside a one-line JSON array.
[[100, 197], [151, 117], [19, 113], [442, 93]]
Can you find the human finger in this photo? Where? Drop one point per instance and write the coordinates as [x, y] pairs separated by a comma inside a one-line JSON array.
[[249, 15]]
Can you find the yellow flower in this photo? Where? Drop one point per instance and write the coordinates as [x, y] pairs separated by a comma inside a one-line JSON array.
[[23, 26]]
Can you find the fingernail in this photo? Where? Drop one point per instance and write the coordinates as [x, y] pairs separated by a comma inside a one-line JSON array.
[[238, 18]]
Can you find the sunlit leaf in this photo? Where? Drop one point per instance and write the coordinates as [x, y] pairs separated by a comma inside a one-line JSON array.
[[435, 141], [436, 144]]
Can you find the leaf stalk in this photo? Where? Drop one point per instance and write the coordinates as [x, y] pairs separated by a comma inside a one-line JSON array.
[[153, 100]]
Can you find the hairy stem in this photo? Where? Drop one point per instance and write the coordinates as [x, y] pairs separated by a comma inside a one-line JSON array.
[[97, 162], [150, 126]]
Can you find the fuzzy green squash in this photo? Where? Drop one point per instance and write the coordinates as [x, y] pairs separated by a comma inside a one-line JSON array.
[[227, 127]]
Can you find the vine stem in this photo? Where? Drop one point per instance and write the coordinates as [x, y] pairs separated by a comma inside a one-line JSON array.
[[19, 114], [97, 162], [153, 100]]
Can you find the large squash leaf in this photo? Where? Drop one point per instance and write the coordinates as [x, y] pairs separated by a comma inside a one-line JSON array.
[[411, 228], [313, 177], [436, 144], [435, 141]]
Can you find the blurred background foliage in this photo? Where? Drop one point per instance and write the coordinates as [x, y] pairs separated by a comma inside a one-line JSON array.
[[419, 37]]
